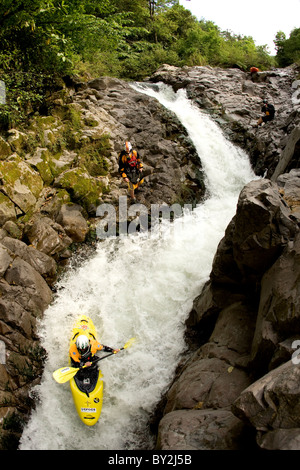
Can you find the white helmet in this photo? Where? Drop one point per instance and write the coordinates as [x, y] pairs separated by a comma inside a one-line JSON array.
[[128, 147], [83, 345]]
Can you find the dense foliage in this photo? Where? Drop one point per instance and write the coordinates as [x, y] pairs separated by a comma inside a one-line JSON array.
[[288, 50], [43, 40]]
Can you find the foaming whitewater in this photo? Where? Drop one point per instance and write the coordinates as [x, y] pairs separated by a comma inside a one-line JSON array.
[[141, 286]]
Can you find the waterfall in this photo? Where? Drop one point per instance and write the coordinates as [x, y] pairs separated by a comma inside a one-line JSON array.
[[141, 286]]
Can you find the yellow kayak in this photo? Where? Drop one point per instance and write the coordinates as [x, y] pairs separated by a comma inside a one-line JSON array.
[[87, 384]]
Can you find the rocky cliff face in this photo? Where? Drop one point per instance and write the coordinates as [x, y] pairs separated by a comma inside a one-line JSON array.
[[53, 176], [239, 389], [233, 98], [242, 383]]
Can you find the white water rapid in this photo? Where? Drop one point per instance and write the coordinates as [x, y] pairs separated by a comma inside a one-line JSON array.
[[138, 286]]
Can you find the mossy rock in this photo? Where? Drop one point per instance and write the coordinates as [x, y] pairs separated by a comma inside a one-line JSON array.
[[63, 196], [20, 182], [7, 209], [68, 112], [13, 229], [95, 156], [58, 132], [90, 122], [40, 161], [5, 149], [62, 161], [17, 140], [94, 162], [44, 122], [50, 166], [83, 189]]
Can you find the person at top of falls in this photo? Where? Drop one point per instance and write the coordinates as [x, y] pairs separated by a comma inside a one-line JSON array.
[[253, 72], [82, 352], [269, 113], [131, 168]]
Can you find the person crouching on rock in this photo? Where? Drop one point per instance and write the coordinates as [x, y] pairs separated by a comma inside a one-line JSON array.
[[253, 72], [131, 168], [269, 113]]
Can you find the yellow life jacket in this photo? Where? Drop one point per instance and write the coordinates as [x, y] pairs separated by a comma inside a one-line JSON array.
[[75, 355]]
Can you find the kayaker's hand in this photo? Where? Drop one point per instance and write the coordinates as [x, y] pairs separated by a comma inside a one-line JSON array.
[[116, 351], [88, 364]]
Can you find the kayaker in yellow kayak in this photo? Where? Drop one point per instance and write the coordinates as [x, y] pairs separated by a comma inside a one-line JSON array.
[[84, 349]]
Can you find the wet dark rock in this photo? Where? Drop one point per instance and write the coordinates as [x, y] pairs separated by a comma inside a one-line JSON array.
[[252, 297]]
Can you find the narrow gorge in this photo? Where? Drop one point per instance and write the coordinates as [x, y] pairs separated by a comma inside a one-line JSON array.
[[235, 384]]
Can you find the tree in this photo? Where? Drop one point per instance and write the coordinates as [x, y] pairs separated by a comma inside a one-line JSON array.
[[159, 6], [152, 4], [279, 46], [287, 50]]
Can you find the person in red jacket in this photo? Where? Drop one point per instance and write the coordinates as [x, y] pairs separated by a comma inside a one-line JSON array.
[[131, 167]]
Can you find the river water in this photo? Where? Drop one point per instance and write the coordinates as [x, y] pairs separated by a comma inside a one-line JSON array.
[[141, 286]]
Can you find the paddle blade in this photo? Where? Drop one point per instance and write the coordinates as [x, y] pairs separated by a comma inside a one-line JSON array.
[[129, 343], [64, 374]]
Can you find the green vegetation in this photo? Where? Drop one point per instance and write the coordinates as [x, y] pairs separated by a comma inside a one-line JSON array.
[[288, 50], [45, 40]]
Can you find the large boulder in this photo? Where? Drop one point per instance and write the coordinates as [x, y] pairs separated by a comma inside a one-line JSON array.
[[20, 183], [279, 307], [6, 258], [272, 406], [41, 262], [75, 225], [186, 430], [83, 188], [5, 149], [47, 236], [262, 227], [7, 209], [256, 236], [206, 383], [22, 274], [289, 188]]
